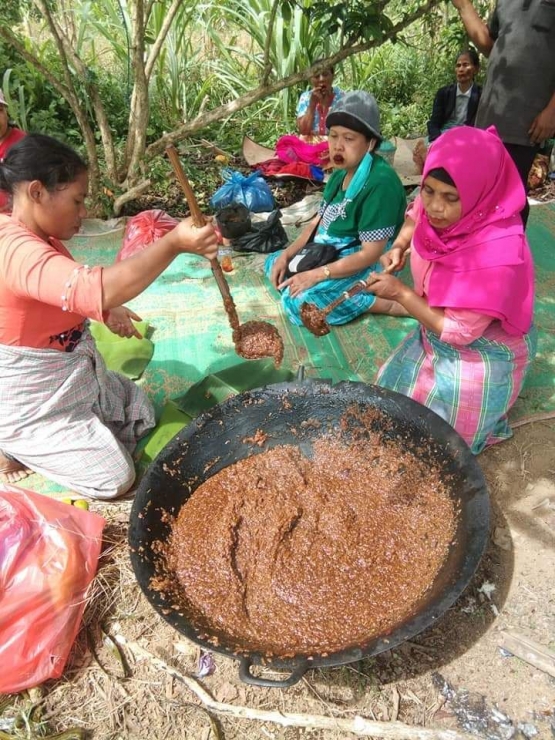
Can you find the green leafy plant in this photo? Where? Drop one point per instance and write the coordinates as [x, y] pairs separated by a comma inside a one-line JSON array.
[[129, 77]]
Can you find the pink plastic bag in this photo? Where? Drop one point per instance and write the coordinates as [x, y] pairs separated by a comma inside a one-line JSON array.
[[143, 229], [48, 557]]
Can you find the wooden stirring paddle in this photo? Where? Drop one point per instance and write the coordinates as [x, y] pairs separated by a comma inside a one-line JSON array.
[[199, 221], [253, 339], [314, 318]]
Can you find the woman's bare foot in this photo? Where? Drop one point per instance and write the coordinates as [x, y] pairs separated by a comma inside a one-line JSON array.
[[388, 307], [12, 471]]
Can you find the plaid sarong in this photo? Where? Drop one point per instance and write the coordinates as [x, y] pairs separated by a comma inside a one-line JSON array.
[[326, 291], [67, 417], [472, 387]]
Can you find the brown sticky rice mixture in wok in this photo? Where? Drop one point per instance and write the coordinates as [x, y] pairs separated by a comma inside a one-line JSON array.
[[285, 555]]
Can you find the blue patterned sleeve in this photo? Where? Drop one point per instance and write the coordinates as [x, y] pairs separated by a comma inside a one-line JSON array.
[[302, 105], [337, 95]]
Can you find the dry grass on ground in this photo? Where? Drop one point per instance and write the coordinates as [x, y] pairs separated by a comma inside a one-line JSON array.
[[114, 692]]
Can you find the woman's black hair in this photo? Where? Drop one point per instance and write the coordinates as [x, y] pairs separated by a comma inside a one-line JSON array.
[[43, 158], [317, 61], [442, 175], [472, 53]]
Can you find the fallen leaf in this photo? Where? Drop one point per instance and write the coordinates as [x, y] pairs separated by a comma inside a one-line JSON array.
[[502, 538], [226, 692]]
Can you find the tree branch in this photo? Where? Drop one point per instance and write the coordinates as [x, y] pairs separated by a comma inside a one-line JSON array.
[[56, 34], [68, 14], [72, 59], [72, 96], [262, 91], [148, 11], [424, 10], [67, 91], [139, 111], [6, 33], [357, 725], [157, 46], [131, 194]]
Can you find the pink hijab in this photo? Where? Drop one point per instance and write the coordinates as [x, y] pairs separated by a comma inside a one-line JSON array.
[[482, 262]]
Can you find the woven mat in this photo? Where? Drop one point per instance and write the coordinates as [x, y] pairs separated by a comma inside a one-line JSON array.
[[192, 338]]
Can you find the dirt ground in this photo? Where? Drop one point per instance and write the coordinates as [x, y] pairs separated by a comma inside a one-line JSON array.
[[451, 677], [544, 193], [285, 192]]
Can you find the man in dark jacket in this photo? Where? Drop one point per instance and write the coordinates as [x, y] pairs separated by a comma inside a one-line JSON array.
[[456, 104]]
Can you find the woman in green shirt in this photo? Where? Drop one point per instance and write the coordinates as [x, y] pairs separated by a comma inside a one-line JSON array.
[[361, 213]]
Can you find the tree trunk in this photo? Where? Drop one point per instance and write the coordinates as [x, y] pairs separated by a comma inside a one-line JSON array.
[[139, 109], [76, 77]]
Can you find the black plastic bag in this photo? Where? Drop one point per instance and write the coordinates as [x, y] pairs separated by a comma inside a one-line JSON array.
[[266, 236], [233, 221]]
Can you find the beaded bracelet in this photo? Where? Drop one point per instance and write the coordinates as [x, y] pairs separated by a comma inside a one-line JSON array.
[[69, 283]]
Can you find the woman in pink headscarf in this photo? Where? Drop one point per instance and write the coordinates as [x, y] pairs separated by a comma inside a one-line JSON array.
[[473, 288]]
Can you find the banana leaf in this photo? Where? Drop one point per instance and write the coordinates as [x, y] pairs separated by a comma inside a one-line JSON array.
[[128, 356], [202, 396]]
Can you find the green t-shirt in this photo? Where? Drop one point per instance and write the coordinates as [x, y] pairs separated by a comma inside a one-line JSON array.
[[376, 213]]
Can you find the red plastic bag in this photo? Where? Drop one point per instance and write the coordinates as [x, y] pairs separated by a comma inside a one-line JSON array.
[[143, 229], [48, 557]]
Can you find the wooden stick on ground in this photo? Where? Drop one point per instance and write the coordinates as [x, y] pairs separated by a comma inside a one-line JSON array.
[[358, 725], [542, 416], [528, 650]]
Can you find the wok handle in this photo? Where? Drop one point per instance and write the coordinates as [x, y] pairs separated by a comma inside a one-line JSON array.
[[247, 677]]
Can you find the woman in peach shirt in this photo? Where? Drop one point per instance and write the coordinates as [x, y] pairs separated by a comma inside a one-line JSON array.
[[64, 415]]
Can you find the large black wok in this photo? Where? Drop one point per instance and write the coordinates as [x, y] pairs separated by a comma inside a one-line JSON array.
[[217, 439]]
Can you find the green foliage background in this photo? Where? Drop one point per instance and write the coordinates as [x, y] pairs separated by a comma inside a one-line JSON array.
[[214, 53]]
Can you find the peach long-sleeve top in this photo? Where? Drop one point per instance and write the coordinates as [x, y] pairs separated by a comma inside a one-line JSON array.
[[460, 326], [45, 295]]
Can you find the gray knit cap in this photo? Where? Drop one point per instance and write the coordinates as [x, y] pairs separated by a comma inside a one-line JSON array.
[[358, 111]]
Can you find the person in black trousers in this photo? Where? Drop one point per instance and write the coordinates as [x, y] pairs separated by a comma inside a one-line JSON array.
[[519, 92]]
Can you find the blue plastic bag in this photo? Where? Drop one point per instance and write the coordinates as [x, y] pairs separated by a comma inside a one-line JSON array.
[[252, 191]]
